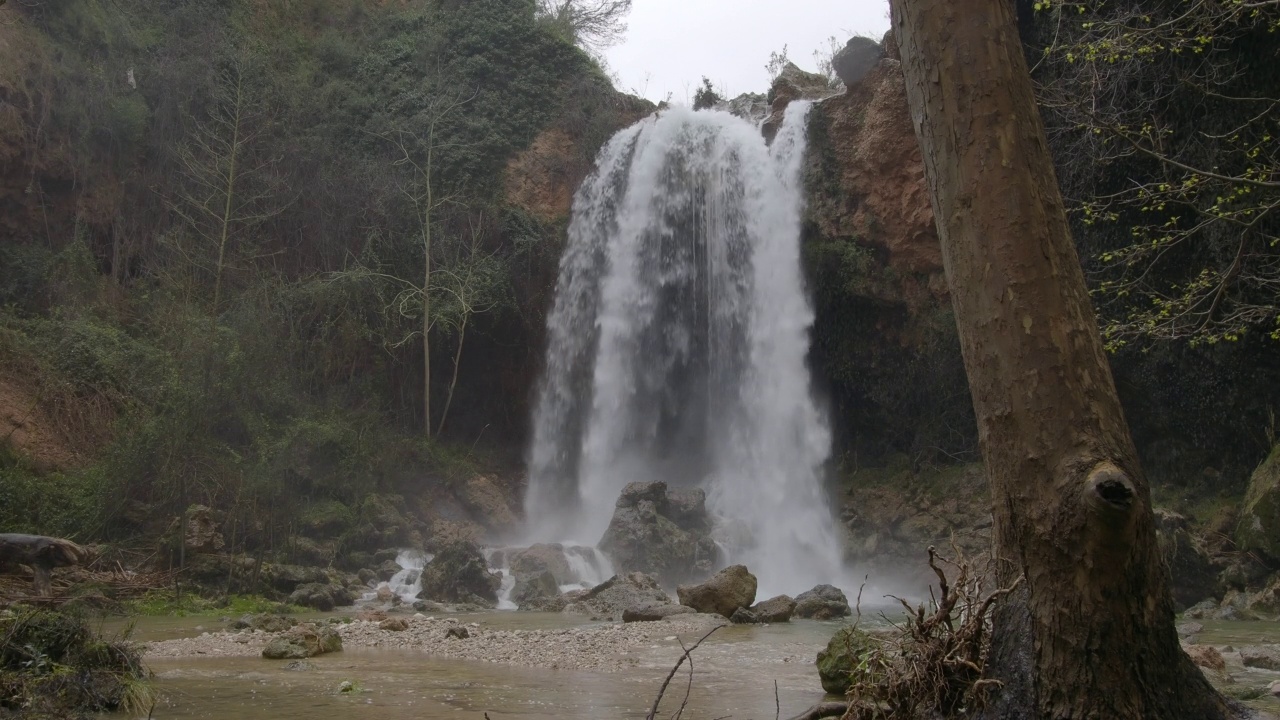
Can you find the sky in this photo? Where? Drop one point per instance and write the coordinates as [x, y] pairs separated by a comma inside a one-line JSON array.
[[671, 44]]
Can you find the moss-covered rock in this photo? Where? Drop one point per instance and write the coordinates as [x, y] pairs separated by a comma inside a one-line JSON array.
[[1259, 528], [302, 642], [459, 574], [844, 652]]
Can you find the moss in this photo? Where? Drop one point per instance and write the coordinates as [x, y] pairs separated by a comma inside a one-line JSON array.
[[844, 655]]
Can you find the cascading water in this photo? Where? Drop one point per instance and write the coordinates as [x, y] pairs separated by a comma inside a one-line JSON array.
[[677, 345]]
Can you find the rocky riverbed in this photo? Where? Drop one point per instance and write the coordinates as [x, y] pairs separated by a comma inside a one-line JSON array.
[[598, 647]]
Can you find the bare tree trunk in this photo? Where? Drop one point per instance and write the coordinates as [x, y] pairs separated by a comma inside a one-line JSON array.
[[1090, 635], [453, 381]]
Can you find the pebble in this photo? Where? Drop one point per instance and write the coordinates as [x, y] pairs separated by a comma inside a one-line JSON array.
[[600, 647]]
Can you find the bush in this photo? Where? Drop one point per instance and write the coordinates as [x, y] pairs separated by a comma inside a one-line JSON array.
[[52, 664]]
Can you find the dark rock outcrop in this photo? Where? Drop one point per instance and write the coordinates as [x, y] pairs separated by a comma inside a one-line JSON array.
[[1194, 577], [662, 532], [728, 590], [321, 596], [824, 602], [459, 574], [857, 58]]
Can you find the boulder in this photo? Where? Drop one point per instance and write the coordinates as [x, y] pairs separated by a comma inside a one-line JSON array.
[[321, 596], [775, 609], [732, 588], [266, 622], [1193, 577], [1259, 526], [843, 653], [540, 558], [457, 632], [303, 641], [824, 602], [660, 532], [651, 612], [853, 61], [615, 595], [535, 592], [1267, 600], [1206, 656], [394, 624], [308, 551], [459, 574], [202, 534], [484, 500], [1266, 657], [743, 616]]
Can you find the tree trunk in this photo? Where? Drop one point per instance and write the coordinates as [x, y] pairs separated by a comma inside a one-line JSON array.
[[453, 381], [1091, 632]]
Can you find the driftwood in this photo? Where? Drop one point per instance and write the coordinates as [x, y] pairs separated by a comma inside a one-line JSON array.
[[42, 554], [823, 710]]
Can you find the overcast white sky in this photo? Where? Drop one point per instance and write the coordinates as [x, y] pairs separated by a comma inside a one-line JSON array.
[[671, 44]]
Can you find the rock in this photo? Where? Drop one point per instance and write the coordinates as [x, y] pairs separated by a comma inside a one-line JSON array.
[[384, 593], [321, 596], [1201, 610], [388, 569], [1234, 606], [852, 62], [1259, 526], [1193, 577], [660, 532], [202, 535], [732, 588], [394, 624], [1206, 656], [459, 574], [309, 551], [650, 612], [824, 602], [615, 595], [774, 610], [843, 653], [1266, 657], [1189, 629], [269, 622], [792, 84], [427, 606], [1267, 600], [743, 616], [300, 666], [540, 558], [534, 592], [366, 575], [457, 632], [287, 578], [1274, 688], [303, 641], [486, 502]]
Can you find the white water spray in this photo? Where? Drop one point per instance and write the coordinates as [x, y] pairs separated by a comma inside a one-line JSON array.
[[677, 346]]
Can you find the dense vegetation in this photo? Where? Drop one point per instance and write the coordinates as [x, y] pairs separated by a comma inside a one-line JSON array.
[[211, 234]]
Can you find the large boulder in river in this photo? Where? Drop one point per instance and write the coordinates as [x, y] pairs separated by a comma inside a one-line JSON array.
[[774, 610], [732, 588], [1259, 527], [661, 532], [617, 594], [650, 612], [303, 641], [824, 602], [844, 652], [459, 574], [1192, 576], [537, 592]]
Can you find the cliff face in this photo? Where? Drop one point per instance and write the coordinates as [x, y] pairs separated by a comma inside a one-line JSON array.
[[884, 344]]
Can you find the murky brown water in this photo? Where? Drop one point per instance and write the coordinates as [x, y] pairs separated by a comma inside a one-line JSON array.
[[734, 674]]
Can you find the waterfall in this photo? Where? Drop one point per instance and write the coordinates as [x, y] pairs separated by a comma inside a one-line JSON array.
[[677, 344]]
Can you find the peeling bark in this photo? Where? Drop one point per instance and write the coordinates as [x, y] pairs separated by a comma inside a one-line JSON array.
[[1091, 632]]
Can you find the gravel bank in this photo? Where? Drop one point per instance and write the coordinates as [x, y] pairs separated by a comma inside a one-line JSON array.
[[600, 647]]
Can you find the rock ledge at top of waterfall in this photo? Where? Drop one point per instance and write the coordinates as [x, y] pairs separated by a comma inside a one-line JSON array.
[[661, 531]]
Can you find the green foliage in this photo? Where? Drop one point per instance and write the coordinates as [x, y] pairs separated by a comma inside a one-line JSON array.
[[706, 96], [57, 504], [52, 664], [166, 603]]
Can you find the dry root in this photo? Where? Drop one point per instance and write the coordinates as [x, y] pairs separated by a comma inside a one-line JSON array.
[[933, 664]]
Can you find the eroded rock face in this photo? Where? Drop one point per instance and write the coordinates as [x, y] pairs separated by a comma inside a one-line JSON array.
[[792, 84], [660, 531], [459, 574], [728, 590]]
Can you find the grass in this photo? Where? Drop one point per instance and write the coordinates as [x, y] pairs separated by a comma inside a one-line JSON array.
[[165, 603]]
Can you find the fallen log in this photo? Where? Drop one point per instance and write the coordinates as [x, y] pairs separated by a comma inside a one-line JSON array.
[[42, 554], [823, 710]]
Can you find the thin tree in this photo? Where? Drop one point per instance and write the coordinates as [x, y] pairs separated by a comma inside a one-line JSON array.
[[595, 24], [473, 281], [1090, 631]]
